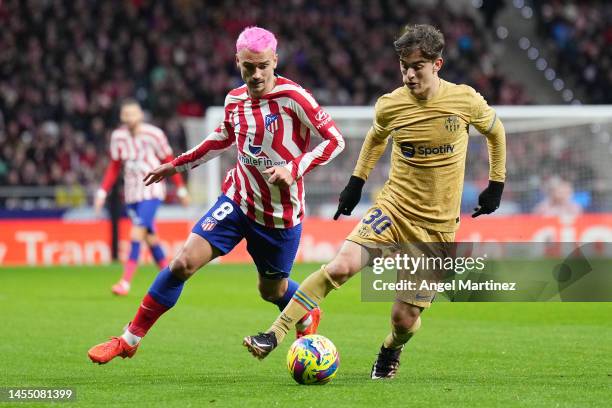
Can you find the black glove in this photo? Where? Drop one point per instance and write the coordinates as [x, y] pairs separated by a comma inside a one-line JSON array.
[[350, 196], [489, 199]]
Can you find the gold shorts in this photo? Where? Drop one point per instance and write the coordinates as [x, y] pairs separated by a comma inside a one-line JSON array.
[[382, 233]]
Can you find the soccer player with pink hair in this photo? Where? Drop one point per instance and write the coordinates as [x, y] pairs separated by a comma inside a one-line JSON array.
[[270, 119]]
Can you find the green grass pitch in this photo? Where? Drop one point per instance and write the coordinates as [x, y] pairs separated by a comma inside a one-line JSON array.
[[478, 354]]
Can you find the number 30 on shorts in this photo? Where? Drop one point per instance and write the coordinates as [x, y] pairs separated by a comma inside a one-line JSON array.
[[223, 211], [377, 221]]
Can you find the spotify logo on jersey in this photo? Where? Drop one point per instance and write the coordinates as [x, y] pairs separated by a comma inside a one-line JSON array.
[[407, 149]]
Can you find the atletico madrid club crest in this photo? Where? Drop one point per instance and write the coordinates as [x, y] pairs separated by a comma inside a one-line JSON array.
[[271, 122], [209, 224]]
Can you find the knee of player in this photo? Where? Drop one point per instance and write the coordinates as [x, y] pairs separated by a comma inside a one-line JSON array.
[[340, 269], [270, 294], [406, 320], [151, 239], [138, 233], [182, 267]]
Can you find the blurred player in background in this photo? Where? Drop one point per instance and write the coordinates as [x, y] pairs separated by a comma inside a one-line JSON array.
[[558, 200], [271, 120], [139, 147], [427, 120]]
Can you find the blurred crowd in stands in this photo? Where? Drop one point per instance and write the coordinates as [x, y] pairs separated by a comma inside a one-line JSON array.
[[549, 172], [579, 37], [546, 170], [65, 65]]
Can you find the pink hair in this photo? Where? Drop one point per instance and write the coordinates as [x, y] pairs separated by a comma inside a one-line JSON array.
[[256, 39]]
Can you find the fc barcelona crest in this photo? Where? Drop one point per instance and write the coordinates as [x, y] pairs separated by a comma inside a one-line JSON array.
[[364, 231], [452, 124]]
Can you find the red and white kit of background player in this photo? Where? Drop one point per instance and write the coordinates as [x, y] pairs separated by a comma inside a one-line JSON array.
[[139, 147], [270, 120]]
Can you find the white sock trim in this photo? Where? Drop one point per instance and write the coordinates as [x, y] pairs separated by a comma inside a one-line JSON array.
[[302, 325], [130, 338], [124, 284]]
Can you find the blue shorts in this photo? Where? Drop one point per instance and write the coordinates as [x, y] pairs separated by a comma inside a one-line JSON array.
[[273, 249], [142, 213]]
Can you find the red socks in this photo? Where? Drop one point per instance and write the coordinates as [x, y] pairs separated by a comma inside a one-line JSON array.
[[148, 313]]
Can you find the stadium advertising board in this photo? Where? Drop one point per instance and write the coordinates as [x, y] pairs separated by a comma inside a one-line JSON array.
[[54, 242]]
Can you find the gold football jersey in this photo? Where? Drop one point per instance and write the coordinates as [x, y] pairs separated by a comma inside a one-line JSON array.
[[430, 139]]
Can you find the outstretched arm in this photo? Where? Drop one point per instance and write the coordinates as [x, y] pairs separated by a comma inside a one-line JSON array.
[[372, 149], [181, 189], [162, 172], [212, 146], [320, 123]]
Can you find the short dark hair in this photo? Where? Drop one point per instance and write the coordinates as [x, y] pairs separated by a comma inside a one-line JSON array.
[[422, 37], [129, 101]]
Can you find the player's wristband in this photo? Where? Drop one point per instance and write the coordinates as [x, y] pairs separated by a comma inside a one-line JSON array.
[[101, 194], [181, 192]]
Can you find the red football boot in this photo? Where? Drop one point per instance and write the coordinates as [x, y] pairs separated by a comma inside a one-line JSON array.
[[301, 330], [105, 352]]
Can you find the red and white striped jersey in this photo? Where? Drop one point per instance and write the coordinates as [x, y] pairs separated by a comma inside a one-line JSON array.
[[271, 131], [139, 153]]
